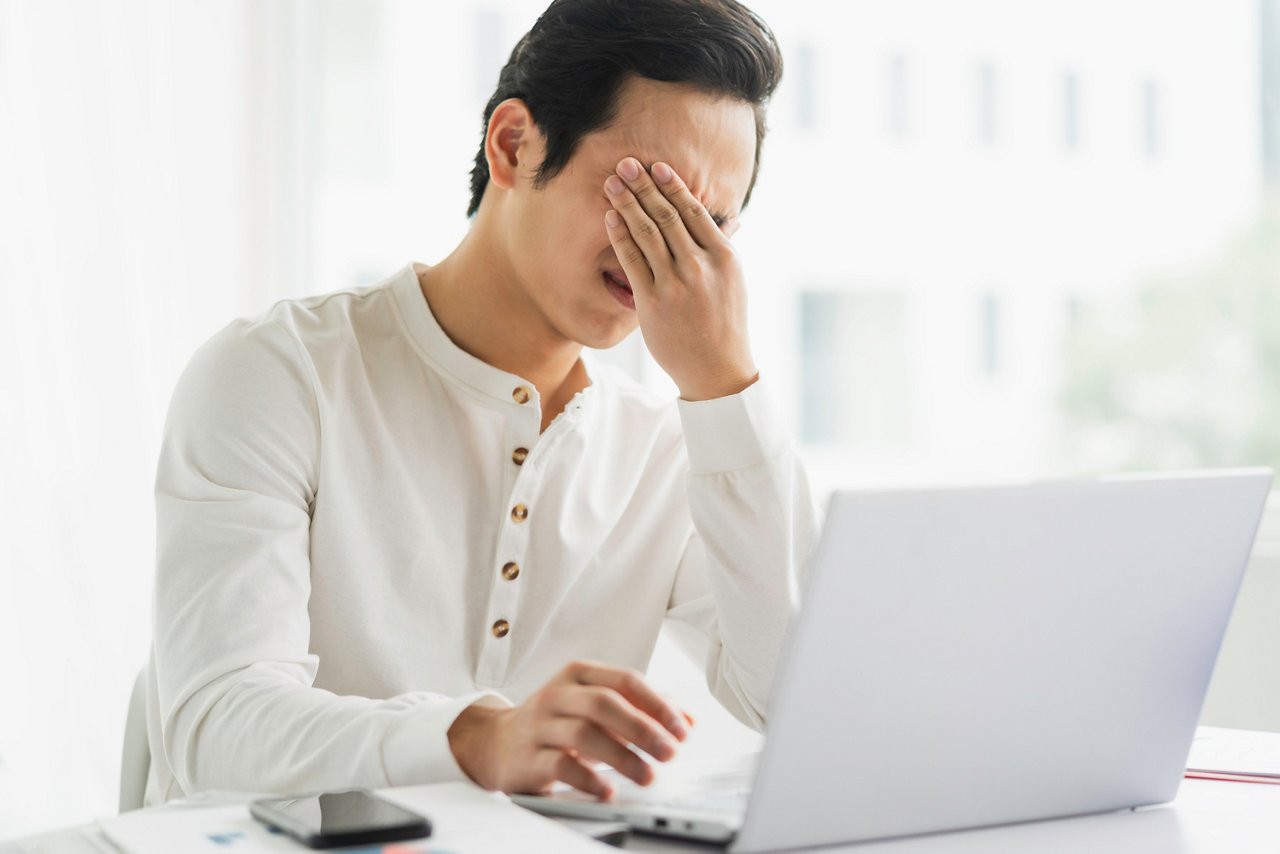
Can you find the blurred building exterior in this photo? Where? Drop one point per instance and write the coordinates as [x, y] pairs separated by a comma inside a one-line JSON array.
[[945, 188], [975, 179]]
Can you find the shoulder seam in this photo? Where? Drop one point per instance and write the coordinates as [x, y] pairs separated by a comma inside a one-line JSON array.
[[314, 382], [316, 301]]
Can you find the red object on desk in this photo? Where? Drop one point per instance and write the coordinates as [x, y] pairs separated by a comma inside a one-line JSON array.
[[1230, 778]]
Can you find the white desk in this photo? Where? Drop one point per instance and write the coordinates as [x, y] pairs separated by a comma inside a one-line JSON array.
[[1208, 817]]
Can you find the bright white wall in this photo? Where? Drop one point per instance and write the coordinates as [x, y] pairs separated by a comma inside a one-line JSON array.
[[164, 168], [122, 151]]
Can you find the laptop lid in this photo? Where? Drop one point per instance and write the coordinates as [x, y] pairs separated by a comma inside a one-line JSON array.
[[978, 656]]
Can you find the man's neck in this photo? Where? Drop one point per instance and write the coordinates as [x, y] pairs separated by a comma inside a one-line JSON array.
[[475, 298]]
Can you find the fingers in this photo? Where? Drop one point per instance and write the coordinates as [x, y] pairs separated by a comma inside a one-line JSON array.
[[652, 208], [657, 206], [630, 256], [592, 743], [554, 764], [697, 221], [605, 708], [654, 252], [636, 691]]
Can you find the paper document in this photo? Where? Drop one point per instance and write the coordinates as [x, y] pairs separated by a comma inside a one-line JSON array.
[[1235, 754], [464, 819]]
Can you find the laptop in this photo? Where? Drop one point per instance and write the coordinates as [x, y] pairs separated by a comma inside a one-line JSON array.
[[968, 657]]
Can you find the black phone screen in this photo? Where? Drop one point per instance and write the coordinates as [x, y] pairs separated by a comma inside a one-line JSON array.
[[341, 818]]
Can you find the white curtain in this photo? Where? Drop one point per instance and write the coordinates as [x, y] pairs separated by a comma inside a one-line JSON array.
[[129, 225], [164, 168]]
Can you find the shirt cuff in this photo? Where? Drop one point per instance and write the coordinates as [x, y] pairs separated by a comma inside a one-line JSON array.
[[416, 748], [729, 433]]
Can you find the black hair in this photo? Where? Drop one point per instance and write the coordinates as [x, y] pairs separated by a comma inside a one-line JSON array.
[[569, 68]]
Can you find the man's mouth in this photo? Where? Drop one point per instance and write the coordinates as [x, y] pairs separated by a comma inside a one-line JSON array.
[[619, 278], [619, 287]]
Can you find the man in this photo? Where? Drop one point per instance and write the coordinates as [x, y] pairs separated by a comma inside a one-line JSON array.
[[406, 533]]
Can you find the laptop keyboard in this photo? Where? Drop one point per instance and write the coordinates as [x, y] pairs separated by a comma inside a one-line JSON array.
[[722, 791], [727, 802]]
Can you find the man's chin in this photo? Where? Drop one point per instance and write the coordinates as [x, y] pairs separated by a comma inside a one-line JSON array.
[[605, 337]]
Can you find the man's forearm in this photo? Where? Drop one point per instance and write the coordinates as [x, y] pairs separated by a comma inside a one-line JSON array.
[[757, 524]]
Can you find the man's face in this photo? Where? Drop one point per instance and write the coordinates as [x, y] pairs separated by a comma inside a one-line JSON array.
[[555, 236]]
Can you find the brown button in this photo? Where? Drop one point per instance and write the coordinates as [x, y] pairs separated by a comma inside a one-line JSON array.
[[519, 512], [520, 394], [501, 628], [510, 570], [519, 455]]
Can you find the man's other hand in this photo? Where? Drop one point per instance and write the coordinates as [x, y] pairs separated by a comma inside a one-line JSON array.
[[686, 279], [587, 713]]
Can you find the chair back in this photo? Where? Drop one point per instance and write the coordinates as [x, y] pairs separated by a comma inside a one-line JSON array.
[[135, 762]]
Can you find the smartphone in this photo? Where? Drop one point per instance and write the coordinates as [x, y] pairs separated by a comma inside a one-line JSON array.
[[332, 819]]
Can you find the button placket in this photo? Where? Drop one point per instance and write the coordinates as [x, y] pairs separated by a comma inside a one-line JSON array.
[[522, 395], [503, 618], [520, 487]]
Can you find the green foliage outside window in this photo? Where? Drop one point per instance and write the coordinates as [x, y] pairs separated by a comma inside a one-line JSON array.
[[1186, 371]]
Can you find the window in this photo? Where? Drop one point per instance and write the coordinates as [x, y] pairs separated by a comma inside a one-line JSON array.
[[800, 65], [986, 85], [491, 50], [899, 123], [856, 383], [989, 317], [1071, 111], [353, 91], [1269, 67], [1074, 311], [1150, 118]]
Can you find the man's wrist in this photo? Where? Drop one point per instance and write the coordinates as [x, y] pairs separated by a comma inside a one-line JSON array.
[[732, 433], [711, 390], [470, 732]]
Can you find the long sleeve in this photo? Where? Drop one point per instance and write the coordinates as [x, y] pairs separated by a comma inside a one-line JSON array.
[[755, 526], [236, 481]]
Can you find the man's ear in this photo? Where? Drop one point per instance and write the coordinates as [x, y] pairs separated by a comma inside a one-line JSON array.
[[513, 144]]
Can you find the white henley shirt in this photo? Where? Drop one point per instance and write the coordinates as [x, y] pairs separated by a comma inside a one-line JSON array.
[[361, 531]]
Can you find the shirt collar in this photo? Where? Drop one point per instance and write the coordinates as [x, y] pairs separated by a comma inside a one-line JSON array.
[[506, 388]]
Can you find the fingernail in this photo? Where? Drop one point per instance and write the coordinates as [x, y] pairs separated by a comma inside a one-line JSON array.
[[629, 169], [662, 173], [614, 185], [612, 219]]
